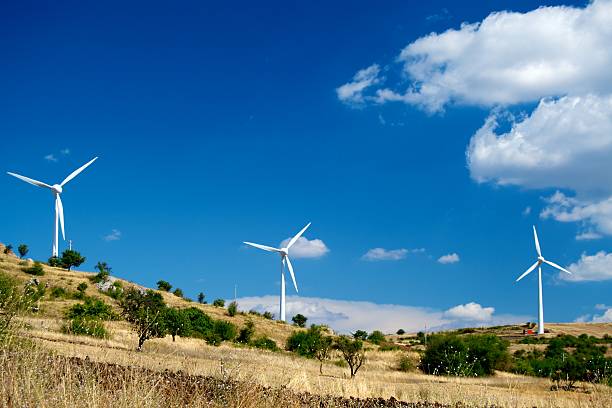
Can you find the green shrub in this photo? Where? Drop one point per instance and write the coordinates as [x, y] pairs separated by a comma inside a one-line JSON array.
[[36, 269], [58, 292], [226, 330], [405, 364], [115, 291], [55, 262], [8, 249], [389, 347], [268, 315], [265, 343], [177, 323], [306, 343], [199, 322], [201, 298], [376, 337], [219, 303], [246, 333], [178, 292], [232, 309], [254, 312], [85, 327], [91, 309], [164, 285], [401, 331], [103, 273]]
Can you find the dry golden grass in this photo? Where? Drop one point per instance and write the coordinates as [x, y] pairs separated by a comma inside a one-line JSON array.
[[378, 378]]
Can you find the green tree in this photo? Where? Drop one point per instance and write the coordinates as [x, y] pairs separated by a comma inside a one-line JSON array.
[[323, 346], [299, 320], [55, 262], [376, 337], [164, 285], [177, 323], [401, 331], [246, 333], [201, 297], [145, 311], [178, 292], [219, 303], [71, 258], [8, 249], [352, 351], [232, 309], [23, 250], [91, 309], [199, 322], [103, 272], [360, 335]]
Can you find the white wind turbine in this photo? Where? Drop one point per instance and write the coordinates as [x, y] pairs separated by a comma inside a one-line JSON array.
[[56, 189], [284, 254], [538, 264]]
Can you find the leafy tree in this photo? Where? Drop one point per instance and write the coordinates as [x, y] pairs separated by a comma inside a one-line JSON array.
[[232, 309], [299, 320], [145, 311], [246, 333], [178, 292], [201, 297], [91, 309], [164, 285], [71, 258], [360, 335], [323, 346], [311, 343], [401, 331], [23, 250], [8, 249], [376, 337], [177, 323], [103, 272], [36, 269], [221, 331], [219, 303], [352, 351]]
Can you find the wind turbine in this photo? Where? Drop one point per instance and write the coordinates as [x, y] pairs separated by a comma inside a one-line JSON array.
[[538, 264], [284, 254], [56, 189]]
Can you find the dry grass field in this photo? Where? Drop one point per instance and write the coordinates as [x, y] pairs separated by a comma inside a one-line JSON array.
[[252, 368]]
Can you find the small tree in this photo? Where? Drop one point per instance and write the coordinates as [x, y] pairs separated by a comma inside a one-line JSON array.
[[23, 250], [352, 351], [299, 320], [376, 337], [219, 303], [103, 272], [360, 335], [145, 311], [201, 297], [322, 347], [164, 285], [177, 323], [232, 309], [246, 333], [8, 249], [401, 331], [71, 258], [178, 292]]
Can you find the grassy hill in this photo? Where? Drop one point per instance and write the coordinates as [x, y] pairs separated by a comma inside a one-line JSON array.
[[248, 371]]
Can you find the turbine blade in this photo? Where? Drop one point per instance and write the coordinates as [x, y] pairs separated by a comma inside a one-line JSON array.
[[531, 268], [537, 242], [264, 247], [299, 234], [77, 171], [60, 212], [554, 265], [291, 272], [29, 180]]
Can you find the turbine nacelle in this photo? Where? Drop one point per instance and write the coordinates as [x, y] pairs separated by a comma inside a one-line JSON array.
[[541, 260], [283, 252], [57, 189]]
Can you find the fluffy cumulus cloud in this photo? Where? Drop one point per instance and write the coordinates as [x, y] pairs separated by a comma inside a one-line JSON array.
[[352, 92], [594, 213], [604, 317], [382, 254], [508, 58], [449, 258], [305, 248], [347, 316], [470, 312], [596, 267]]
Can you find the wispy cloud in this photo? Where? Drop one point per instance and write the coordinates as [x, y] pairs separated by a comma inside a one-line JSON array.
[[382, 254], [115, 235], [347, 316], [65, 151], [449, 258], [588, 236], [526, 211], [443, 15], [352, 92], [305, 248], [51, 158]]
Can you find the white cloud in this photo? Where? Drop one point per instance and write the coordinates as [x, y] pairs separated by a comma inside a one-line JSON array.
[[606, 317], [564, 143], [449, 258], [382, 254], [587, 236], [509, 58], [51, 158], [347, 316], [115, 235], [352, 92], [596, 267], [305, 248], [597, 213], [470, 312]]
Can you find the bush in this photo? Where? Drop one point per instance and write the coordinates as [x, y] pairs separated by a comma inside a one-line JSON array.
[[36, 269], [115, 291], [232, 309], [405, 364], [246, 333], [469, 356], [164, 285], [23, 250], [178, 292], [91, 309], [265, 343], [199, 322], [268, 315], [55, 262], [177, 323], [299, 320], [219, 303], [376, 337], [58, 292], [309, 343], [254, 312], [221, 331], [360, 335], [401, 331], [103, 273], [388, 347], [85, 327], [8, 249]]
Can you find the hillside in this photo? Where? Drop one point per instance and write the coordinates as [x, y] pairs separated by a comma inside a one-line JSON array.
[[379, 378]]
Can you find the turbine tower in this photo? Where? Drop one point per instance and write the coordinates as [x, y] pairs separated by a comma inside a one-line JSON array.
[[56, 189], [538, 264], [284, 254]]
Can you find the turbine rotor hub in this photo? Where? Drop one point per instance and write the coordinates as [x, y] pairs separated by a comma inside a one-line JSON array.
[[540, 259], [57, 188], [284, 252]]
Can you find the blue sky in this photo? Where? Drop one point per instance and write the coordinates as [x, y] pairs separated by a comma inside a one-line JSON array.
[[218, 123]]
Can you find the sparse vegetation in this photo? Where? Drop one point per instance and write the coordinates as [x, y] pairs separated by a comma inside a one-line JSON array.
[[91, 309], [103, 272], [178, 292], [8, 249], [268, 315], [219, 303], [405, 364], [376, 337], [36, 269], [232, 309], [85, 327]]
